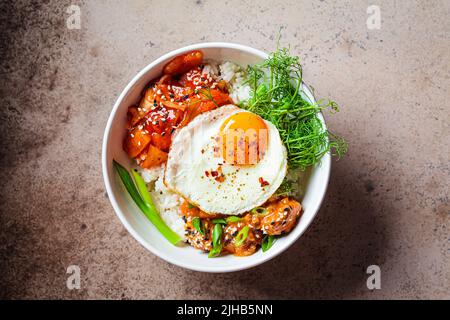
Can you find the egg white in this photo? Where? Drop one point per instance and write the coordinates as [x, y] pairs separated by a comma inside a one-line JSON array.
[[192, 154]]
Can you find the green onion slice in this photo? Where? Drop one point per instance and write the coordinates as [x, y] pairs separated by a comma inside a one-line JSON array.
[[142, 187], [144, 201], [198, 225], [217, 243], [215, 251], [241, 236], [217, 234], [259, 210], [267, 243], [233, 219], [219, 221]]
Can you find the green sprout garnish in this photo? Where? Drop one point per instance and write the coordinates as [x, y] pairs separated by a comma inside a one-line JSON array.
[[277, 96]]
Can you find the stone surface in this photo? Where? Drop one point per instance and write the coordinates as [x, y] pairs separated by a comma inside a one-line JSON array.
[[388, 198]]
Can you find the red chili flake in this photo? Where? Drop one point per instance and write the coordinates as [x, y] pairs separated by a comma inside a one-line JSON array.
[[214, 173], [263, 182], [207, 173], [220, 178]]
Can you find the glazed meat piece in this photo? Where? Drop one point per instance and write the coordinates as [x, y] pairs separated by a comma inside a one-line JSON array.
[[281, 216]]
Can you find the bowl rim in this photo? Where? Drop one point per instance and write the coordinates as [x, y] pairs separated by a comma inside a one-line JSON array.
[[232, 268]]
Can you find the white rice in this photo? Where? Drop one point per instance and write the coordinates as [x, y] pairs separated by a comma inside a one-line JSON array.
[[167, 202], [233, 74], [211, 68]]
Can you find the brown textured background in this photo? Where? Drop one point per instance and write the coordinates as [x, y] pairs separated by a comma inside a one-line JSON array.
[[388, 199]]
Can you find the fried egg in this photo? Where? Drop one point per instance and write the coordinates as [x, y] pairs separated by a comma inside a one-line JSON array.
[[226, 161]]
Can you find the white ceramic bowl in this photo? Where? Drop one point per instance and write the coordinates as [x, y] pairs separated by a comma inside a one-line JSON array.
[[138, 225]]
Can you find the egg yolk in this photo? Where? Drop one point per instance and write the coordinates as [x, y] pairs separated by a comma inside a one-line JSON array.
[[243, 139]]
